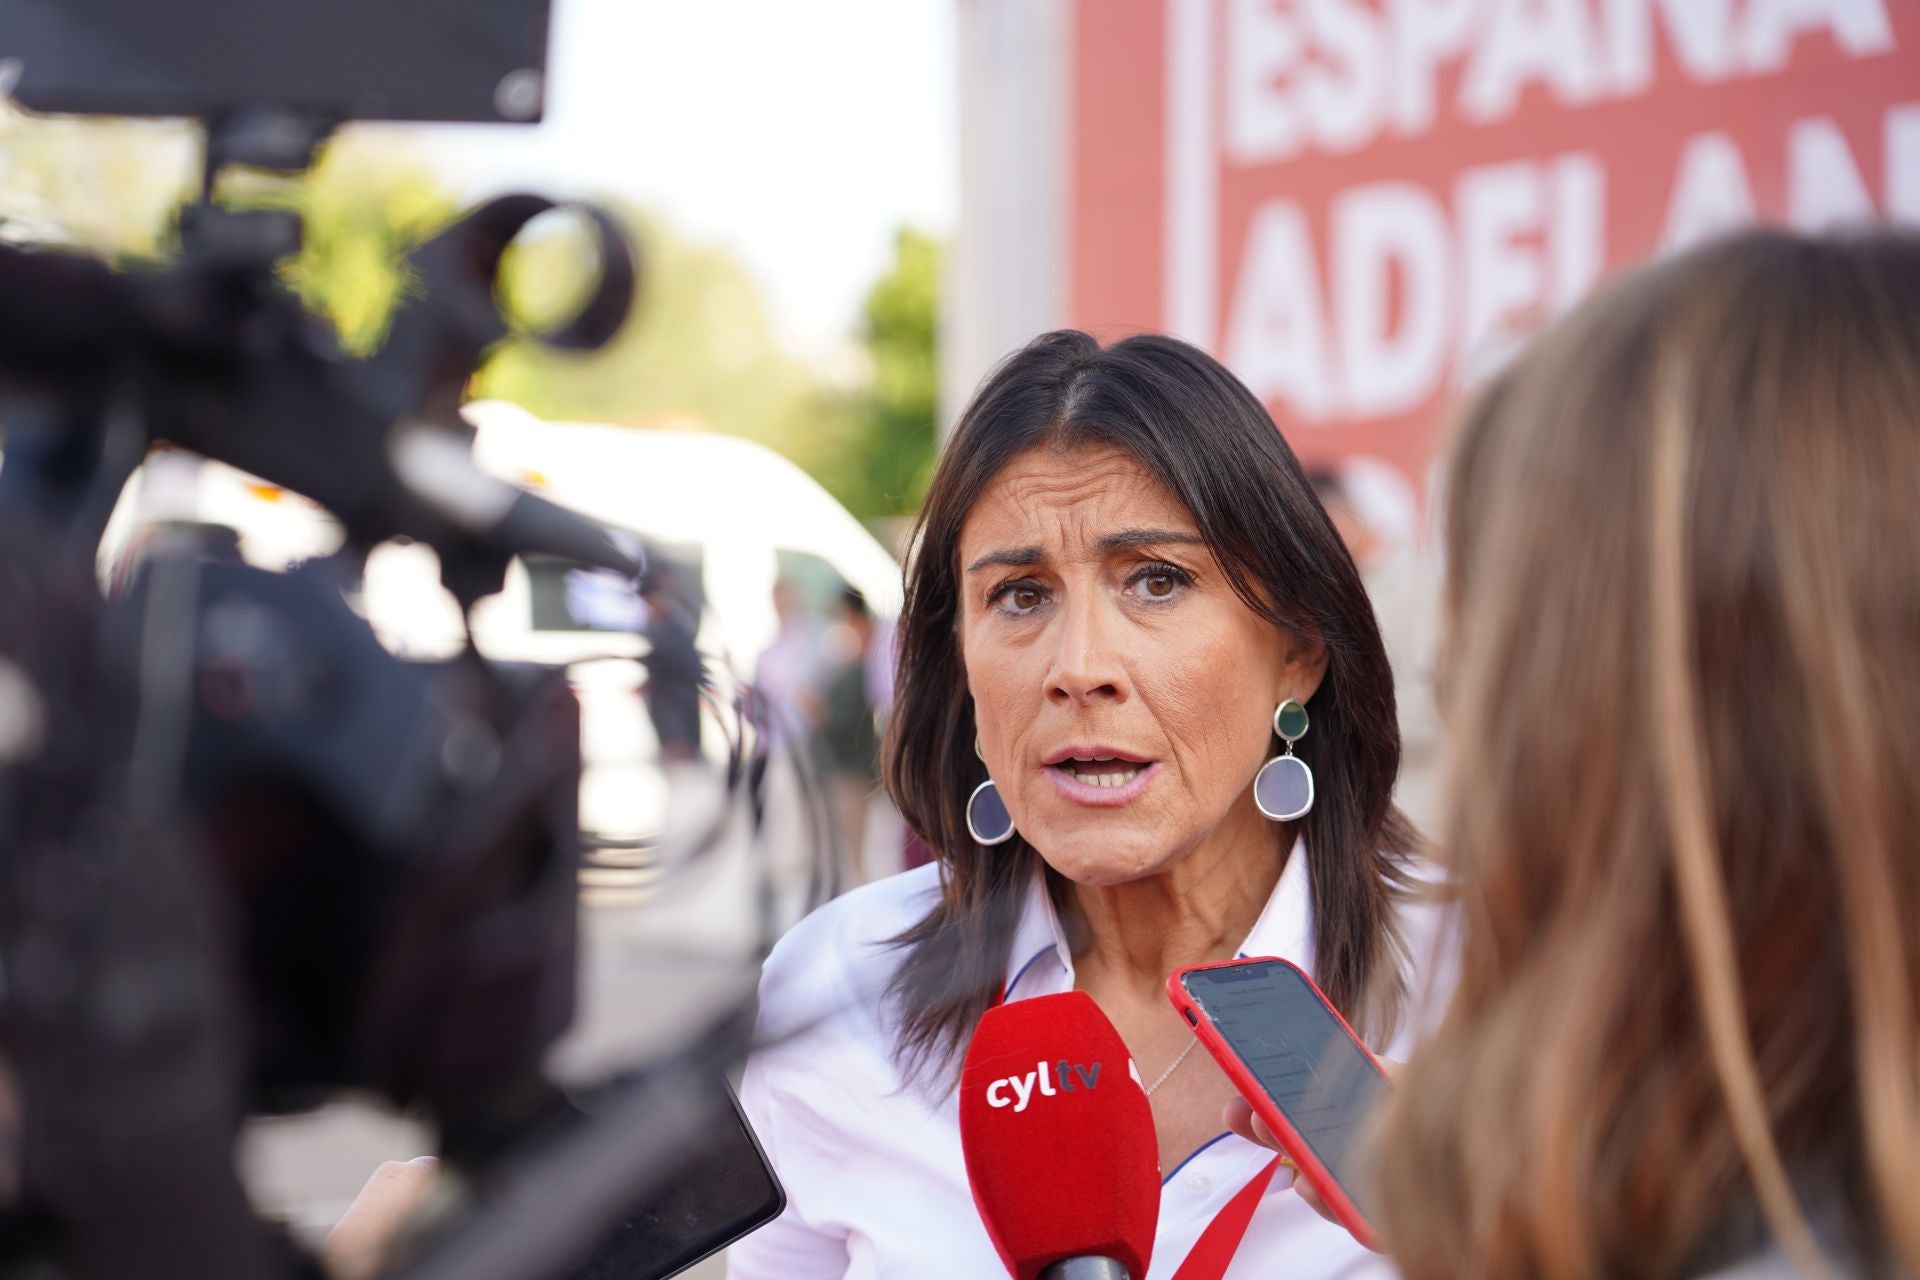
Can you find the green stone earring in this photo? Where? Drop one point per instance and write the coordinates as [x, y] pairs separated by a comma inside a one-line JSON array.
[[1283, 789]]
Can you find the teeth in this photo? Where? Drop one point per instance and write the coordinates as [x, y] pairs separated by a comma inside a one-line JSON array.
[[1108, 778]]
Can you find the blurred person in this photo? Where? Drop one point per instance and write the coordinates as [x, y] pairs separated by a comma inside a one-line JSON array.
[[675, 671], [1101, 637], [846, 733], [1683, 678], [789, 671]]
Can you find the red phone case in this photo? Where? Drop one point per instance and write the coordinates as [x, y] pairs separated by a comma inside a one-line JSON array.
[[1296, 1148]]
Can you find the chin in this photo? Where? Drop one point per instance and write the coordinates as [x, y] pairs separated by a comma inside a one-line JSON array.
[[1098, 860]]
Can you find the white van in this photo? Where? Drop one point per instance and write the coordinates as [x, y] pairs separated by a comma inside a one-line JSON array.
[[733, 515]]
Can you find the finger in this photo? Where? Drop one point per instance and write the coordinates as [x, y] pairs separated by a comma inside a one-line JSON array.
[[1239, 1118], [1312, 1197], [357, 1242], [1264, 1136]]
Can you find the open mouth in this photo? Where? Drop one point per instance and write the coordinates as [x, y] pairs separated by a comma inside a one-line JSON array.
[[1102, 771]]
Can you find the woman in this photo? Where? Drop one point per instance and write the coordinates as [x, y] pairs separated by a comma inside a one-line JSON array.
[[1684, 599], [1122, 587]]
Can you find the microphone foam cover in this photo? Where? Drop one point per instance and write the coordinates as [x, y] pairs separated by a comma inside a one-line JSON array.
[[1058, 1137]]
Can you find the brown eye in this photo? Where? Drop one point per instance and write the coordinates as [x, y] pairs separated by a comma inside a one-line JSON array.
[[1158, 583], [1018, 599]]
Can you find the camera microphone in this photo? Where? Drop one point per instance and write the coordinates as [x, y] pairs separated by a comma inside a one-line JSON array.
[[435, 464]]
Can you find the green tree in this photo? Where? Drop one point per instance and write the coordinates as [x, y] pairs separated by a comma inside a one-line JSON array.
[[699, 348], [877, 450], [116, 188], [111, 187], [362, 207]]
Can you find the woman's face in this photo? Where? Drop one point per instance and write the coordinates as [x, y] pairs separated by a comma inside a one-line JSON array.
[[1124, 694]]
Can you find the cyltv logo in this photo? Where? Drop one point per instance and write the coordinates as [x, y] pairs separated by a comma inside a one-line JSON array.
[[1020, 1091]]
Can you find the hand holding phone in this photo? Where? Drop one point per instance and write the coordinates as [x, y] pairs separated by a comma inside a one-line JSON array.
[[1238, 1117], [1301, 1069]]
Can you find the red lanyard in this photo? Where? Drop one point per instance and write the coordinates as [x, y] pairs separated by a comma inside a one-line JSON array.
[[1213, 1252]]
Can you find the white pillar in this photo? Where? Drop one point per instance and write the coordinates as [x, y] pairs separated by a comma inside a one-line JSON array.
[[1006, 277]]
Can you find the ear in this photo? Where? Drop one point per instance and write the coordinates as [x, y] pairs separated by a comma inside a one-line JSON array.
[[1305, 667]]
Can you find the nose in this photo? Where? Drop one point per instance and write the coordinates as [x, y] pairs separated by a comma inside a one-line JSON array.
[[1087, 665]]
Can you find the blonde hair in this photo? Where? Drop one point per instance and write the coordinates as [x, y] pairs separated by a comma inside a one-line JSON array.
[[1683, 686]]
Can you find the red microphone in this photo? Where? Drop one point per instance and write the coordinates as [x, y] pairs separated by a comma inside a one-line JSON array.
[[1059, 1141]]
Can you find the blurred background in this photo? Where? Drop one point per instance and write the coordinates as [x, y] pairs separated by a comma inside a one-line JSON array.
[[849, 209]]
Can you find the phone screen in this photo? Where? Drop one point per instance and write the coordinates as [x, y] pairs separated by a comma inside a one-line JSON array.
[[721, 1191], [1318, 1078]]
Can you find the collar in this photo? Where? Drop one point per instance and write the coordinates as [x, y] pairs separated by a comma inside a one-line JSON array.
[[1040, 962]]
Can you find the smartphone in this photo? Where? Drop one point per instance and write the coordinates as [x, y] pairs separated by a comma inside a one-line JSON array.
[[723, 1190], [1295, 1059]]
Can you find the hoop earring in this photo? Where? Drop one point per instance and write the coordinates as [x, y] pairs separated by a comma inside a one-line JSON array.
[[1283, 789], [988, 821]]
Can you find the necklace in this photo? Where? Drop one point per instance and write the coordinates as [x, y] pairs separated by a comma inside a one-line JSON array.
[[1172, 1067]]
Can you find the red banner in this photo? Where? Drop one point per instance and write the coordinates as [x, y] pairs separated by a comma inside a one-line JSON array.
[[1362, 206]]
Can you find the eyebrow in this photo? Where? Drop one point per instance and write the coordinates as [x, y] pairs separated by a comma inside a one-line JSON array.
[[1125, 540], [1017, 557], [1137, 539]]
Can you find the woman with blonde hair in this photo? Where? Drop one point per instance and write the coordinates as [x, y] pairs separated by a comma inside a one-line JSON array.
[[1684, 692]]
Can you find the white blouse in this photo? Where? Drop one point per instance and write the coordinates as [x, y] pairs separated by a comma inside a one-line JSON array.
[[876, 1184]]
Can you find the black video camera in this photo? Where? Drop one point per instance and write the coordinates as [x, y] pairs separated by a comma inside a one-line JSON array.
[[248, 858]]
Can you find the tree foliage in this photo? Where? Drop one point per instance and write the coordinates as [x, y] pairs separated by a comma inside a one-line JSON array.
[[699, 350], [880, 459]]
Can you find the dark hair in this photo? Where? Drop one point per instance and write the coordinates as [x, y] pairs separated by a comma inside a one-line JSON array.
[[1194, 426]]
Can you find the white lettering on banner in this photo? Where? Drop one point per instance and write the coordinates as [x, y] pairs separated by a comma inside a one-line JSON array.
[[1333, 75], [1526, 237], [1394, 228], [1276, 340], [1496, 205], [1859, 27], [1710, 193], [1261, 45], [1343, 107], [1700, 33], [1577, 243], [1824, 186], [1414, 285], [1429, 33], [1531, 40], [1419, 283], [1903, 163]]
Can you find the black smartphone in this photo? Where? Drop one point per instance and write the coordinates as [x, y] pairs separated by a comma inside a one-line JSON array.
[[1295, 1059], [723, 1189]]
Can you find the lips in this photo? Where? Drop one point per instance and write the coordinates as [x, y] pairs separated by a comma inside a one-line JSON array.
[[1094, 753]]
